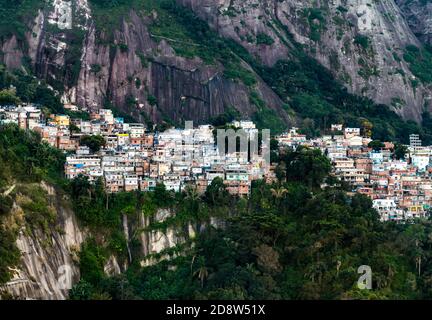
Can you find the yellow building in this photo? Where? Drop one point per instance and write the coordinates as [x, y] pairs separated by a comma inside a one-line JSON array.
[[62, 120]]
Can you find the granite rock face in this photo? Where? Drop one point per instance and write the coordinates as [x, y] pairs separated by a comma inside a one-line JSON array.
[[361, 41], [49, 258], [418, 14], [184, 88], [92, 69]]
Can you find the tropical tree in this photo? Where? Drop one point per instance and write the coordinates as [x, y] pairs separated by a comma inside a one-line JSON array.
[[279, 193], [202, 272], [306, 165], [400, 151], [93, 142], [216, 193]]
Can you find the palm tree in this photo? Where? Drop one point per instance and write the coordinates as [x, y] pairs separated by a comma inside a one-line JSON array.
[[279, 194], [338, 266], [251, 268], [418, 256], [192, 196], [202, 272], [192, 193]]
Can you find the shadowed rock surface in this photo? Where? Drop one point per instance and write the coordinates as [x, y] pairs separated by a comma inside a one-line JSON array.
[[418, 13]]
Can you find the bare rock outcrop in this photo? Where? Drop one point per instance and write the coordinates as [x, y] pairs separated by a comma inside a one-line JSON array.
[[49, 258], [362, 42]]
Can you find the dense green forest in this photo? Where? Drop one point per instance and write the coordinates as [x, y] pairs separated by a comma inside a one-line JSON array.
[[27, 88], [21, 86], [15, 14]]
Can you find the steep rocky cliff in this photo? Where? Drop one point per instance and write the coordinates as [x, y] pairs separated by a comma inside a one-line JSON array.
[[48, 264], [184, 88], [144, 61], [418, 13], [362, 42], [50, 252], [157, 244], [131, 68]]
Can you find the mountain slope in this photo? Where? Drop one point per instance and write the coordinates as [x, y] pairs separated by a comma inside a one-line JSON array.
[[159, 63], [418, 13], [362, 42], [146, 62]]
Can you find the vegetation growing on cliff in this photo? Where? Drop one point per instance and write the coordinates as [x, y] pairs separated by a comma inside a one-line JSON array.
[[14, 16], [27, 89], [24, 160], [305, 85], [302, 81], [420, 62], [319, 99], [314, 94]]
